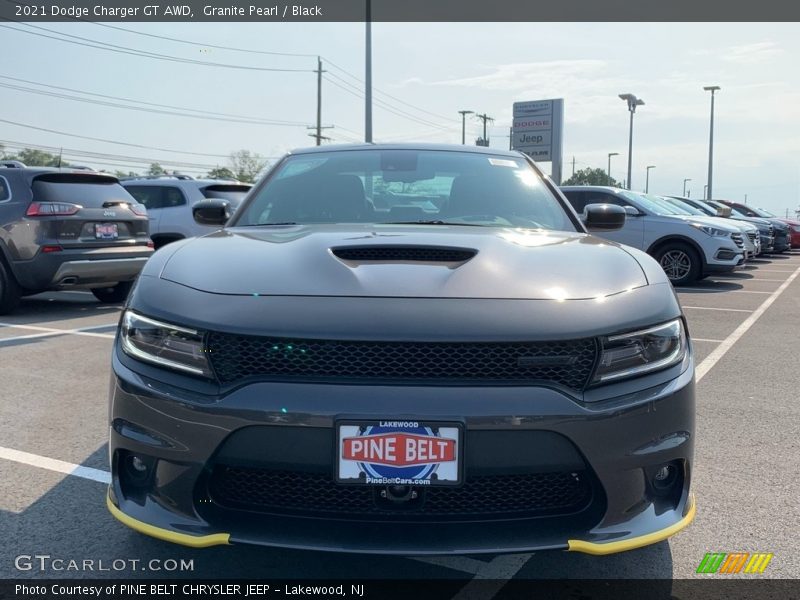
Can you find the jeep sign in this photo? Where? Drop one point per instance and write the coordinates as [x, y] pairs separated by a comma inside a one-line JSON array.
[[536, 131]]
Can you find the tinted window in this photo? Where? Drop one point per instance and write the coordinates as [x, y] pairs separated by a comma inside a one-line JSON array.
[[5, 190], [577, 200], [157, 196], [389, 186], [231, 192], [87, 191]]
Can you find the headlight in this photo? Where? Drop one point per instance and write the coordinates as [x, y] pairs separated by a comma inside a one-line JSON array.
[[642, 351], [712, 231], [164, 344]]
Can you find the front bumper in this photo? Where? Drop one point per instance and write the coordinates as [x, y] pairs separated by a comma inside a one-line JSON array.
[[621, 438]]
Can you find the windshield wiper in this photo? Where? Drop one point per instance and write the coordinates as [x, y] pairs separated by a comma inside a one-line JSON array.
[[433, 222]]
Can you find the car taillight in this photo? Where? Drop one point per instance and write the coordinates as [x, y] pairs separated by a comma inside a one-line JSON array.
[[138, 209], [151, 244], [49, 249], [51, 209]]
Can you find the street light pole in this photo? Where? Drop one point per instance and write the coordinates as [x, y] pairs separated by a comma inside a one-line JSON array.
[[464, 114], [712, 89], [633, 102], [684, 186], [368, 78], [610, 154], [705, 192], [647, 180]]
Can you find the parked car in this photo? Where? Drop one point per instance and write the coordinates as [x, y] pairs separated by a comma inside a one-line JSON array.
[[765, 227], [169, 200], [67, 229], [752, 241], [687, 249], [782, 230], [482, 377]]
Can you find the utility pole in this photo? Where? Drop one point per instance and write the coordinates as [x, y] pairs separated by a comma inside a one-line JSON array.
[[573, 165], [684, 185], [485, 118], [705, 192], [712, 89], [647, 182], [510, 138], [745, 198], [610, 154], [368, 78], [464, 114], [632, 102], [319, 101]]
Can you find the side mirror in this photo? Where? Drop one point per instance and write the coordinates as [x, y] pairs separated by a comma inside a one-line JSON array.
[[604, 217], [213, 211]]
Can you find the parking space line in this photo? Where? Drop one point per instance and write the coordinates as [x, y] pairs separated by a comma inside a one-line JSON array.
[[457, 563], [715, 308], [85, 331], [745, 279], [720, 351], [52, 464], [694, 339], [715, 291], [499, 571]]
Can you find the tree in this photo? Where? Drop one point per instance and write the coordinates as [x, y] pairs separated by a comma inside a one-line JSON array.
[[221, 173], [156, 169], [120, 174], [38, 158], [247, 165], [591, 176]]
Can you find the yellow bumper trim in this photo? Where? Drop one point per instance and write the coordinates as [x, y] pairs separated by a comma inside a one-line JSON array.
[[184, 539], [599, 549]]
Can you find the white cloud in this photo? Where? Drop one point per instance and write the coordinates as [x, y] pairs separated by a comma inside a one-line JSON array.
[[749, 54]]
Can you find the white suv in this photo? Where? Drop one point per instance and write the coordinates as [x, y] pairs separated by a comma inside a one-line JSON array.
[[169, 200], [688, 249]]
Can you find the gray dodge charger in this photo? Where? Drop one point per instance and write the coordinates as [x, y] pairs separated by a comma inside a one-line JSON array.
[[403, 349]]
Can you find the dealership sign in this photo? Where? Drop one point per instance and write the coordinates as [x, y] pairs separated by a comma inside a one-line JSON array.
[[537, 131]]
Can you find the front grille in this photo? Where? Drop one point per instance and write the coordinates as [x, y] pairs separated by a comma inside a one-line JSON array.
[[404, 253], [566, 363], [737, 239], [481, 497]]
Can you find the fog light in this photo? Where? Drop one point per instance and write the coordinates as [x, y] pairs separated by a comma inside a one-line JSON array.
[[138, 464], [664, 477]]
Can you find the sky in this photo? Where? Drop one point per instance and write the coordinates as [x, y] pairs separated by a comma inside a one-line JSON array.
[[423, 73]]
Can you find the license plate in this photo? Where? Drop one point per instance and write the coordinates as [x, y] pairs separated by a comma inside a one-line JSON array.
[[106, 231], [398, 452]]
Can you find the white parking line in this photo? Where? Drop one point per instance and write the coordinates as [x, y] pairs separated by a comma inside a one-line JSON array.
[[694, 339], [716, 291], [500, 569], [715, 308], [720, 351], [52, 464], [85, 331]]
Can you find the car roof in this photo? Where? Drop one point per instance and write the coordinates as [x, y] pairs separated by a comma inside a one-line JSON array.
[[409, 146], [592, 188]]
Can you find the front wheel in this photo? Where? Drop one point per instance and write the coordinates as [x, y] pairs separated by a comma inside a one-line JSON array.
[[114, 294], [680, 262]]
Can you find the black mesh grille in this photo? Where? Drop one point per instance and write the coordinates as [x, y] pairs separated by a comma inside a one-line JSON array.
[[484, 497], [568, 363], [405, 253]]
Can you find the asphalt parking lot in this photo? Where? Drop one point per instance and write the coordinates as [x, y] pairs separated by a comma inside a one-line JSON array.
[[54, 375]]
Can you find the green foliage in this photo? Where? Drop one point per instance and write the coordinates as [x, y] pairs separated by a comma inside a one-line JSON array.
[[156, 169], [221, 173], [247, 165], [591, 176], [37, 158]]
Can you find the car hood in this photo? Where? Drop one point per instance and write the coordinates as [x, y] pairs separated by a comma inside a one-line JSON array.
[[504, 263], [717, 222]]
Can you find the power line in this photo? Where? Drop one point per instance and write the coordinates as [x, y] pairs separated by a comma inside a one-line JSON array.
[[197, 110], [106, 141], [144, 109], [89, 43], [201, 44]]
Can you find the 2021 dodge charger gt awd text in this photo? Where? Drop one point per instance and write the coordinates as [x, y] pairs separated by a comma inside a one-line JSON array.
[[407, 350]]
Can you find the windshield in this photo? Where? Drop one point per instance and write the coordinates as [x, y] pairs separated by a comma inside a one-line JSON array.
[[683, 206], [230, 192], [405, 186], [657, 206], [763, 213]]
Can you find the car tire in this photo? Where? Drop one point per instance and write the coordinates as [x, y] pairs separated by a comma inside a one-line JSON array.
[[10, 292], [680, 262], [115, 294]]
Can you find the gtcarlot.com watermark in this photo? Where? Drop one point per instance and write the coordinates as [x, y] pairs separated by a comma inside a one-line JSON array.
[[47, 563]]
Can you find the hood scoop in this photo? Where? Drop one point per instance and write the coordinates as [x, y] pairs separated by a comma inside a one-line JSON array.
[[404, 253]]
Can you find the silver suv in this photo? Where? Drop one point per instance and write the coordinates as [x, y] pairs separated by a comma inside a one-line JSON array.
[[169, 200]]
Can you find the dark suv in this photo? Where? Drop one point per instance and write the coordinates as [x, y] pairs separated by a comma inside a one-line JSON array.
[[67, 229], [782, 230]]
